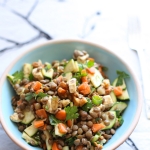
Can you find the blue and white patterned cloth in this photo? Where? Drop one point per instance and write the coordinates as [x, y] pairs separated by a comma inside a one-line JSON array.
[[25, 23]]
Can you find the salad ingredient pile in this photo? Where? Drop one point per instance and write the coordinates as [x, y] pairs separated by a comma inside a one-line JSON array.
[[68, 105]]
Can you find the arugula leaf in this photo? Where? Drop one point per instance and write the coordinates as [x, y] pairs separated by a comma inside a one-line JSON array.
[[53, 120], [18, 75], [70, 141], [90, 63], [88, 105], [30, 95], [71, 112], [121, 75]]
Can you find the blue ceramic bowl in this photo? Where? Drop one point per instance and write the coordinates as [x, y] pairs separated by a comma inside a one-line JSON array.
[[58, 50]]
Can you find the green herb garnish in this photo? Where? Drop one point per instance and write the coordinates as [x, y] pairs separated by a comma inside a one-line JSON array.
[[121, 75], [18, 75], [120, 119], [70, 141], [53, 120], [88, 105], [71, 112], [30, 95], [31, 77]]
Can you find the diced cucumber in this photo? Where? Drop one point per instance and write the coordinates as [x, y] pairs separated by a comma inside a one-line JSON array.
[[76, 67], [47, 135], [27, 69], [125, 94], [65, 148], [96, 79], [31, 130], [113, 97], [10, 79], [95, 138], [48, 73], [28, 116], [15, 118], [123, 86], [112, 121], [71, 66], [29, 139], [68, 75], [119, 106]]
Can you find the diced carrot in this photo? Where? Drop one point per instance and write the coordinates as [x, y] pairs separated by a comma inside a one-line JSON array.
[[39, 91], [38, 123], [62, 128], [55, 146], [80, 147], [59, 79], [118, 91], [61, 115], [84, 79], [91, 59], [19, 102], [43, 127], [97, 127], [61, 91], [69, 123], [41, 113], [90, 70], [84, 88], [63, 85], [36, 86]]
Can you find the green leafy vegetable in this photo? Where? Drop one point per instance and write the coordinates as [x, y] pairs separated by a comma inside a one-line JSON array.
[[30, 95], [41, 95], [78, 76], [88, 105], [71, 112], [53, 120], [48, 66], [121, 75], [31, 77], [18, 75], [120, 119], [70, 141]]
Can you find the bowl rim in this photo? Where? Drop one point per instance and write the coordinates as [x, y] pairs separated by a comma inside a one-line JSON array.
[[57, 41]]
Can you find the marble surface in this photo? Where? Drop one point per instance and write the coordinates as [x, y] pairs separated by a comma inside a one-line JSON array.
[[25, 23]]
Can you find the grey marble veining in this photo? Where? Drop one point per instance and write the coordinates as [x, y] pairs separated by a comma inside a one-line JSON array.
[[24, 23]]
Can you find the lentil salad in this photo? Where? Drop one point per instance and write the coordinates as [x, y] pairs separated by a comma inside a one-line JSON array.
[[67, 105]]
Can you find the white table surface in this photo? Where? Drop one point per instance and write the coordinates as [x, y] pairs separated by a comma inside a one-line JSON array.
[[25, 23]]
